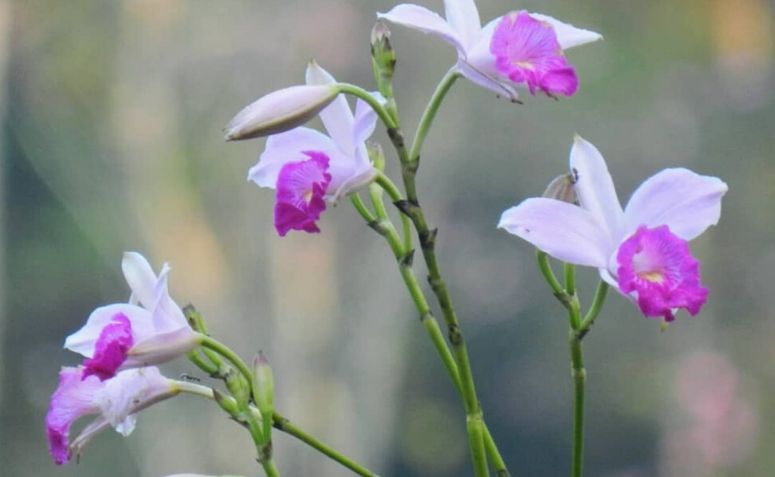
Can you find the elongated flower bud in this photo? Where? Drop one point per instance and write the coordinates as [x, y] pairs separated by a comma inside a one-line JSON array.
[[263, 385], [280, 111], [383, 58]]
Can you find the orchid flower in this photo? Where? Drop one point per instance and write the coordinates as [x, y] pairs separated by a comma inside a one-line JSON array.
[[150, 329], [641, 250], [518, 48], [115, 402], [309, 169]]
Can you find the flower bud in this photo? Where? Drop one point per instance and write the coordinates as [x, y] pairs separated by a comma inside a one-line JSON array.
[[383, 58], [561, 188], [280, 111], [263, 385]]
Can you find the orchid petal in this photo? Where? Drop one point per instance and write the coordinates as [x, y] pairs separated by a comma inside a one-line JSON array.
[[564, 231], [683, 200], [477, 72], [121, 395], [287, 147], [594, 186], [337, 116], [426, 21], [568, 35], [365, 119], [84, 340], [73, 398], [140, 277], [463, 17], [167, 315]]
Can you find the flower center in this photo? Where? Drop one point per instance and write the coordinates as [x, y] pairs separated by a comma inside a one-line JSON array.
[[526, 51], [657, 268], [301, 186]]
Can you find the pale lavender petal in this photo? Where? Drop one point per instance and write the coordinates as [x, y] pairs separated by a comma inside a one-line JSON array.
[[166, 314], [337, 116], [424, 20], [123, 393], [594, 186], [683, 200], [84, 340], [162, 347], [140, 277], [365, 119], [476, 72], [463, 17], [564, 231], [568, 35], [73, 398], [287, 147]]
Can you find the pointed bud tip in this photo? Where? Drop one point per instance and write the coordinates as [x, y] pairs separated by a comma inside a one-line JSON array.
[[380, 32]]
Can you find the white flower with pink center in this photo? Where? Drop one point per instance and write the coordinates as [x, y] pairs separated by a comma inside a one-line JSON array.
[[309, 169], [150, 329], [516, 49], [642, 250]]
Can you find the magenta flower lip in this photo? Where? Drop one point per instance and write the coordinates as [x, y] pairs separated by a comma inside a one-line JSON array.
[[619, 242], [485, 52]]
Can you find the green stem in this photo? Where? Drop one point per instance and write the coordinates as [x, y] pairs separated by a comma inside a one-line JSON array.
[[284, 425], [548, 273], [579, 378], [269, 468], [430, 112], [395, 196], [231, 356], [378, 108], [494, 455], [597, 304]]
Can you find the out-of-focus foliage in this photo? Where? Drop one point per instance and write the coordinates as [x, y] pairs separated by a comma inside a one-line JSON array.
[[111, 141]]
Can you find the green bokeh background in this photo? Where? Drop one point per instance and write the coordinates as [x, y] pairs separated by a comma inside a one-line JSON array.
[[111, 140]]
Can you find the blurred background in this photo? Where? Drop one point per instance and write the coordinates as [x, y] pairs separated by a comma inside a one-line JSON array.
[[111, 140]]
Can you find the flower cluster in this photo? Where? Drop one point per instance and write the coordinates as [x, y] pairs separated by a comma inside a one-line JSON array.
[[119, 343]]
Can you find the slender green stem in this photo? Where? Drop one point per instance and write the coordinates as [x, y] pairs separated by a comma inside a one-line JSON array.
[[551, 279], [597, 304], [231, 356], [378, 108], [430, 112], [284, 425], [579, 379], [269, 468], [475, 427], [494, 455], [570, 278], [364, 211], [396, 196]]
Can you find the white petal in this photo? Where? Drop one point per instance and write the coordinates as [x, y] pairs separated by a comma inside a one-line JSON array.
[[140, 277], [424, 20], [122, 394], [365, 119], [684, 200], [337, 116], [166, 314], [290, 146], [568, 35], [463, 17], [594, 186], [84, 340], [284, 148], [564, 231]]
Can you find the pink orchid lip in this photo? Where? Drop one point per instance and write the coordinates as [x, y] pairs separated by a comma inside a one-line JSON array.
[[658, 269], [301, 188], [527, 51]]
